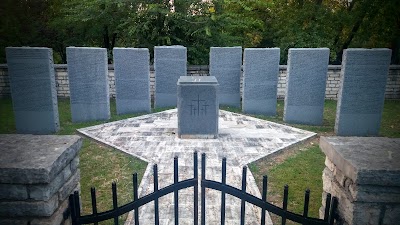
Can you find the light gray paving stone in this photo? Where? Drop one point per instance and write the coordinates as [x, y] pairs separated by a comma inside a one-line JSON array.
[[132, 80], [33, 89], [362, 91], [170, 63], [260, 80], [153, 138], [306, 84], [225, 65], [88, 84]]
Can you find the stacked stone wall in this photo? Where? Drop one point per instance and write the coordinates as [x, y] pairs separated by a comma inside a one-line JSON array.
[[332, 82]]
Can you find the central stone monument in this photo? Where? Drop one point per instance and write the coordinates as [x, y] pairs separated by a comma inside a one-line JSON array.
[[197, 107]]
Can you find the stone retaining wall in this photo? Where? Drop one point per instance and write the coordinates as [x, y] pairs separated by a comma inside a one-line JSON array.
[[332, 85], [37, 174]]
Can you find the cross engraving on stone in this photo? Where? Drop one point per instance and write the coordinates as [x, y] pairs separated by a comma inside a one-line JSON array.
[[198, 107]]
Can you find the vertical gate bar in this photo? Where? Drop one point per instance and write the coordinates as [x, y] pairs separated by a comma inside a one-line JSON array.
[[333, 210], [306, 202], [243, 206], [223, 192], [285, 203], [176, 209], [94, 202], [156, 215], [72, 209], [135, 196], [203, 189], [264, 198], [115, 201], [327, 206], [77, 207], [196, 190]]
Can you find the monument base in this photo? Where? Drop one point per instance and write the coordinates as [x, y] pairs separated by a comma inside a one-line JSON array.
[[197, 107]]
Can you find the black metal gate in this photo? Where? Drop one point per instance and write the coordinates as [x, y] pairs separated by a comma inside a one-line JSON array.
[[95, 217]]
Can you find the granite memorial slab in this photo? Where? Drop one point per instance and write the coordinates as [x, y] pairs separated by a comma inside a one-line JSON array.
[[169, 64], [362, 91], [88, 83], [197, 107], [225, 65], [260, 80], [305, 85], [33, 89], [132, 80]]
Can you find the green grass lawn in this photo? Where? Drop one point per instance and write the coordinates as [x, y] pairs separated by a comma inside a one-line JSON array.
[[300, 167]]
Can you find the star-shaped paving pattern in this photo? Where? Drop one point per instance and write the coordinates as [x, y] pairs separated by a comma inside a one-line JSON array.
[[153, 138]]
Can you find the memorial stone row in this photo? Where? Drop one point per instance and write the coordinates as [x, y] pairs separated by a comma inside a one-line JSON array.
[[359, 108]]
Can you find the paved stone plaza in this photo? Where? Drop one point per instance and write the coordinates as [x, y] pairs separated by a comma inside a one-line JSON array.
[[153, 138]]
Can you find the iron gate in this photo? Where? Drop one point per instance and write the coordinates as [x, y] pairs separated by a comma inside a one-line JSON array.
[[95, 217]]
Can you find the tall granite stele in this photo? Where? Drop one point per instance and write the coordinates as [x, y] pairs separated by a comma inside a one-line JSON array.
[[362, 91], [260, 80], [305, 85], [132, 80], [88, 84], [169, 64], [225, 65], [33, 89]]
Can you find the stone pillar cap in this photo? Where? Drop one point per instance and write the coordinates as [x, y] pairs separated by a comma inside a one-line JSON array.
[[35, 159], [366, 160]]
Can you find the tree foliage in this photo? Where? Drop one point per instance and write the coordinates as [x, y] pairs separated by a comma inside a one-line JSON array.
[[199, 25]]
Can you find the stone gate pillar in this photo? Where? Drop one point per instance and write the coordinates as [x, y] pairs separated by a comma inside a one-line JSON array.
[[37, 174], [364, 174]]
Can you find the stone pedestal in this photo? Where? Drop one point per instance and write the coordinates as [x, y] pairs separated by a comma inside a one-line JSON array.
[[197, 107], [37, 174], [364, 174]]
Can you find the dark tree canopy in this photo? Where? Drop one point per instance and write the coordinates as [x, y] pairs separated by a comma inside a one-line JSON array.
[[199, 25]]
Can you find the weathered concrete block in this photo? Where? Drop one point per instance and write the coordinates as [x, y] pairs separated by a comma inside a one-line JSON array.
[[306, 84], [225, 65], [31, 208], [88, 84], [69, 186], [13, 192], [372, 161], [197, 107], [392, 215], [45, 191], [260, 80], [33, 89], [74, 164], [362, 91], [132, 80], [169, 64], [35, 159], [55, 219]]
